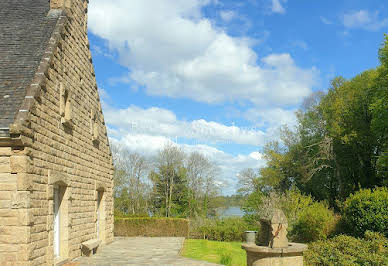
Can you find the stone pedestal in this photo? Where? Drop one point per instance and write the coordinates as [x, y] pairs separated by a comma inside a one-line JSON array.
[[267, 256]]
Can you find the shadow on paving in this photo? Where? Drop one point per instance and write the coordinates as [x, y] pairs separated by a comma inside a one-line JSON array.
[[141, 251]]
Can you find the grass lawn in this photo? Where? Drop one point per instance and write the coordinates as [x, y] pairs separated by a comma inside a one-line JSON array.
[[227, 253]]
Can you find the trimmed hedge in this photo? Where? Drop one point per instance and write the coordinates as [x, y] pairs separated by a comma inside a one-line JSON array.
[[227, 229], [150, 226]]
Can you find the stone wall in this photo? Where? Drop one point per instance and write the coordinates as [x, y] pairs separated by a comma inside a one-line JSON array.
[[65, 146]]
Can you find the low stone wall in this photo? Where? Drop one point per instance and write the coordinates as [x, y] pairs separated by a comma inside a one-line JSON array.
[[153, 227]]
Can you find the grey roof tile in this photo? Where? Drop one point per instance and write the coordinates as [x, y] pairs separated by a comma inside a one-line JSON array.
[[25, 30]]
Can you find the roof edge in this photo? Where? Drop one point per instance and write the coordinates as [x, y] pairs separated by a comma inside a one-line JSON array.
[[9, 140], [4, 132], [41, 75]]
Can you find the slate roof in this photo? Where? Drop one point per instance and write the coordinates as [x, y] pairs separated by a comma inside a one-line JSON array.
[[25, 29]]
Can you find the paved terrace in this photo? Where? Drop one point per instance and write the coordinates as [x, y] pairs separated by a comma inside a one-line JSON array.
[[141, 251]]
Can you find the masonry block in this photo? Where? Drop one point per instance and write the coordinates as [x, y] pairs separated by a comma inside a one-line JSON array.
[[20, 164]]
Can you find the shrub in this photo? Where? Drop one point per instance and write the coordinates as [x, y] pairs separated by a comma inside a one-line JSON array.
[[367, 210], [291, 202], [308, 220], [315, 222], [347, 250], [151, 227], [228, 229]]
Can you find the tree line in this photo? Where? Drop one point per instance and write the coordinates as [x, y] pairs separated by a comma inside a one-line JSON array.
[[340, 143], [171, 184]]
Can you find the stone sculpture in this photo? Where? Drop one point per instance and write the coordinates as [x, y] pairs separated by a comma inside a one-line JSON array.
[[272, 246]]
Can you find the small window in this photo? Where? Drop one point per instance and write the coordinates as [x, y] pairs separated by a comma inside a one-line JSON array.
[[94, 126], [65, 106]]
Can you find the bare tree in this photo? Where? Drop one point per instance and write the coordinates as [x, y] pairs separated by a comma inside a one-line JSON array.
[[248, 181], [132, 188], [200, 174]]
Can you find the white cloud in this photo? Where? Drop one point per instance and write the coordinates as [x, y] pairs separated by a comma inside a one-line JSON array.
[[363, 19], [176, 52], [325, 20], [256, 155], [227, 15], [277, 7], [300, 44], [161, 122], [271, 119]]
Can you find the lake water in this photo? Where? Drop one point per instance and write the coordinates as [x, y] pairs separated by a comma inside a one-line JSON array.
[[234, 211]]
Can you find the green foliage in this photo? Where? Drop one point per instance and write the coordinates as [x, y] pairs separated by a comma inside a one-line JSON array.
[[308, 220], [367, 210], [316, 222], [227, 229], [340, 143], [226, 259], [153, 227], [347, 250], [227, 253]]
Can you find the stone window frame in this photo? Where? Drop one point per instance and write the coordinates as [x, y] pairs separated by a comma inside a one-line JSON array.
[[94, 127], [65, 106]]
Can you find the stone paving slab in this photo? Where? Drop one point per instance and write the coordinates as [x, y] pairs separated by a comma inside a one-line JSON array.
[[141, 251]]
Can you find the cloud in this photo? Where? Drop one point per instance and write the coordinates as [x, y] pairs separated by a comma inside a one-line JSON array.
[[148, 130], [162, 122], [325, 20], [363, 19], [227, 15], [277, 7], [229, 165], [271, 119], [300, 44], [178, 53]]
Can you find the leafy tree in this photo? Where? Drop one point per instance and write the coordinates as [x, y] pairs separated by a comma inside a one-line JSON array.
[[340, 143], [169, 181]]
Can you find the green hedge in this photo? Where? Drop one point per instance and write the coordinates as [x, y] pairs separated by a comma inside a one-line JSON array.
[[227, 229], [151, 227]]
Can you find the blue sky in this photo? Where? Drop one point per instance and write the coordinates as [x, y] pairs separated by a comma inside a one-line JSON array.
[[221, 76]]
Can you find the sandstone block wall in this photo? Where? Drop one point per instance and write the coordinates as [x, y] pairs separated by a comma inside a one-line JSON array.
[[63, 146]]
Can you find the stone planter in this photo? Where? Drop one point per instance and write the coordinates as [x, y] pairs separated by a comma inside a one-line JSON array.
[[250, 237]]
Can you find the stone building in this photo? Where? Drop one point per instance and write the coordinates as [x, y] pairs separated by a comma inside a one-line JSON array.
[[56, 173]]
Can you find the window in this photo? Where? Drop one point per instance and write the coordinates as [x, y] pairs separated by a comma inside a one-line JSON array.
[[100, 215], [57, 219], [65, 106], [60, 222], [94, 126]]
